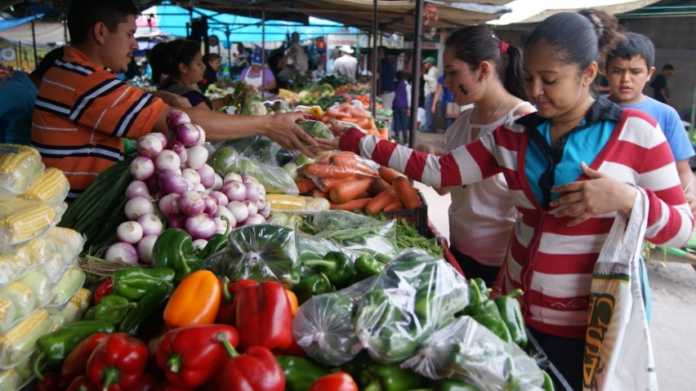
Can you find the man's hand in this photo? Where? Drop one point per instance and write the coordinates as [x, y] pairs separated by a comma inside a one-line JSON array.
[[283, 129]]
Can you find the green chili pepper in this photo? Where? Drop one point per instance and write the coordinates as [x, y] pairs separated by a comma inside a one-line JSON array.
[[174, 249], [455, 385], [112, 308], [368, 266], [423, 304], [150, 304], [312, 284], [488, 315], [300, 373], [511, 312], [548, 383], [478, 292], [337, 266], [134, 282], [388, 377], [55, 347]]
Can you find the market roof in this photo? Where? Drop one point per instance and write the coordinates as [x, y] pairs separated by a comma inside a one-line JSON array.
[[540, 12]]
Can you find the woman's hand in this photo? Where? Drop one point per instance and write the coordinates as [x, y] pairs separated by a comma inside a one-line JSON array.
[[598, 195], [283, 129], [174, 100]]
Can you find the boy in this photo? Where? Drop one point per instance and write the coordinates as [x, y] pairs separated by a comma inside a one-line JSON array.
[[401, 108], [629, 67]]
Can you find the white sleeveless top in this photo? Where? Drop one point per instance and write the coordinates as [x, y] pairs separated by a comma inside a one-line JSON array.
[[481, 215]]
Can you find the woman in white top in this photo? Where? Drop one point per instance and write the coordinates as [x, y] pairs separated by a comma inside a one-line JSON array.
[[484, 71]]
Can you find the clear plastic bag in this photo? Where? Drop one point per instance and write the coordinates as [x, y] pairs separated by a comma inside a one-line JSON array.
[[20, 166], [274, 178], [68, 286], [258, 252], [415, 295], [18, 377], [323, 326], [20, 342], [51, 188], [23, 220], [466, 350], [353, 232]]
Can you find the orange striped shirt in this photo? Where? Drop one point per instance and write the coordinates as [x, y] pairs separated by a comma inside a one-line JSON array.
[[81, 114]]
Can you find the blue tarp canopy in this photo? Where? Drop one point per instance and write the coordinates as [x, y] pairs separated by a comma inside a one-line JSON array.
[[7, 24], [172, 21]]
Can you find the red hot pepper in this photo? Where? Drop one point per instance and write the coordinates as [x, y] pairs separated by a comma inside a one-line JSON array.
[[118, 363], [103, 289], [263, 315], [255, 370], [339, 381], [81, 383], [190, 356], [76, 362]]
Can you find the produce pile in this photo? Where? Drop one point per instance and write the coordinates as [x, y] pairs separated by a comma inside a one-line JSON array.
[[40, 282]]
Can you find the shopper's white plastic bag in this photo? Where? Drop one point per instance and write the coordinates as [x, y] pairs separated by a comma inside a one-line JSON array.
[[618, 349]]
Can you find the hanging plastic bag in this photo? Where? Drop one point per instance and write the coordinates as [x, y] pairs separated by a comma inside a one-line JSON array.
[[465, 350], [415, 295], [258, 252]]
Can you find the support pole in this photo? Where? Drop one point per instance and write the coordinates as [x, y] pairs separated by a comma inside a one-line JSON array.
[[373, 92], [33, 43], [416, 70], [19, 55], [263, 50], [229, 47]]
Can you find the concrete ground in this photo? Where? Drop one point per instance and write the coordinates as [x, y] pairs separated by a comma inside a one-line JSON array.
[[673, 324]]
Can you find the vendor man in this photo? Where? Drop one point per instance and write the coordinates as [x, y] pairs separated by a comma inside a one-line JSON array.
[[83, 112]]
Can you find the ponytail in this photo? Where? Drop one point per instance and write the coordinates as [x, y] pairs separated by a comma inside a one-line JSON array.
[[513, 72], [165, 58]]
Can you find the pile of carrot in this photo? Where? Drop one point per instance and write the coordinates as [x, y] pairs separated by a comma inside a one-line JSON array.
[[351, 184], [347, 112]]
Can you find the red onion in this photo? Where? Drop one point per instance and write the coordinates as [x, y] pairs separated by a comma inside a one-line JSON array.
[[138, 206], [168, 160], [255, 191], [176, 221], [129, 232], [197, 156], [169, 204], [191, 176], [176, 118], [218, 182], [137, 189], [151, 224], [239, 211], [191, 203], [255, 219], [220, 198], [181, 151], [225, 221], [122, 252], [142, 168], [161, 137], [211, 205], [188, 134], [246, 179], [264, 208], [232, 177], [172, 183], [235, 191], [153, 184], [201, 132], [251, 206], [200, 226], [207, 176], [145, 248], [150, 146]]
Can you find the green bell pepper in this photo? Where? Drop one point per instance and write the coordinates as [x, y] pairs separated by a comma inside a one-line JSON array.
[[423, 304], [300, 373], [488, 315], [150, 303], [312, 284], [367, 266], [112, 308], [390, 377], [337, 266], [55, 347], [134, 282], [456, 385], [174, 249], [478, 292], [511, 312]]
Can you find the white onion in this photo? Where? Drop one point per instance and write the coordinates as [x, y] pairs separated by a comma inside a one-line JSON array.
[[191, 175], [239, 211], [137, 189], [129, 232], [211, 206], [169, 204], [192, 203], [255, 219], [246, 179], [235, 191], [151, 224], [218, 182], [161, 137], [224, 218], [150, 146], [220, 198], [199, 188], [200, 226], [197, 156], [145, 248], [142, 168], [168, 160], [138, 206], [255, 191], [122, 252], [188, 134], [199, 244], [201, 139], [172, 183], [232, 177], [176, 118], [181, 151], [207, 176], [251, 206]]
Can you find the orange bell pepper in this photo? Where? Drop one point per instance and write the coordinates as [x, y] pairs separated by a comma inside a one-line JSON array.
[[294, 304], [195, 301]]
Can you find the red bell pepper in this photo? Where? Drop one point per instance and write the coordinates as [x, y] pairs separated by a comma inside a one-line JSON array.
[[228, 305], [103, 289], [146, 383], [263, 315], [118, 363], [76, 362], [51, 382], [190, 356], [339, 381], [169, 387], [255, 370], [81, 383]]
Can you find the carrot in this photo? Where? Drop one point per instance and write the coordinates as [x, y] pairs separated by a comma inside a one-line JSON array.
[[356, 204], [380, 201], [394, 206], [379, 185], [352, 162], [319, 194], [326, 171], [407, 193], [389, 174], [350, 190], [327, 184], [305, 185]]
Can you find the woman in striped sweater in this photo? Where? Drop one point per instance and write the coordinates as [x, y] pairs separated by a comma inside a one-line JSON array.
[[571, 167]]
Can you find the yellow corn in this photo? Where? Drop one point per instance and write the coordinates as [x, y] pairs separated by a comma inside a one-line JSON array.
[[27, 223], [51, 187], [19, 167], [13, 156], [19, 342], [10, 380], [291, 203]]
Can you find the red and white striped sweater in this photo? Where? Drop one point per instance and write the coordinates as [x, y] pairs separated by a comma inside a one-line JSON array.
[[551, 262]]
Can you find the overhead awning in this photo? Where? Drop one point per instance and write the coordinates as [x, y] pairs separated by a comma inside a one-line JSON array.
[[615, 7], [7, 24]]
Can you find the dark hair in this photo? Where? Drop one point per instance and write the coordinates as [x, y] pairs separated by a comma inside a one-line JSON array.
[[211, 57], [578, 37], [83, 15], [668, 67], [165, 58], [478, 43], [46, 63], [634, 44]]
